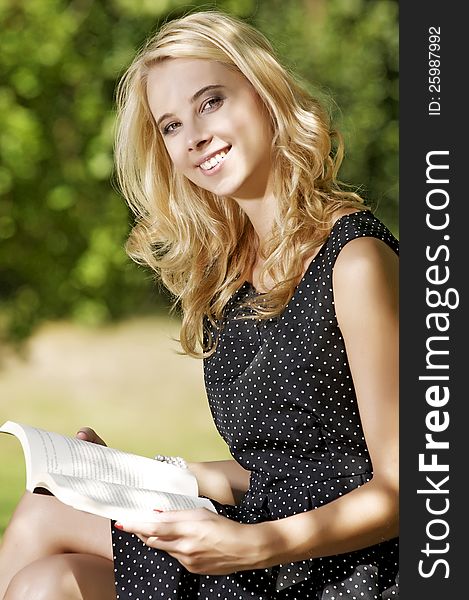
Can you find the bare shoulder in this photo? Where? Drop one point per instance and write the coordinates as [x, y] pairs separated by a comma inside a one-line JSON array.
[[366, 269], [365, 253]]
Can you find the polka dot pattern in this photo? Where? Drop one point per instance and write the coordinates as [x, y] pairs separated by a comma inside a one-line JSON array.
[[282, 397]]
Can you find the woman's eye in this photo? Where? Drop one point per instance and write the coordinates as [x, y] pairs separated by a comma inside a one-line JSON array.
[[169, 128], [212, 103], [209, 105]]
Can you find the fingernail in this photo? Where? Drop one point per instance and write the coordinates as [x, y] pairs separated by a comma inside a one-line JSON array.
[[118, 526], [158, 510]]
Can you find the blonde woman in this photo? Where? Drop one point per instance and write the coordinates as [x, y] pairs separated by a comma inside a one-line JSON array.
[[288, 290]]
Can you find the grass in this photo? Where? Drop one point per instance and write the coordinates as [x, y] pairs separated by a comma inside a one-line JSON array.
[[126, 381]]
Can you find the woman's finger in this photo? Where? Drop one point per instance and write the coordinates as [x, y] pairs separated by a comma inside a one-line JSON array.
[[167, 531], [89, 435]]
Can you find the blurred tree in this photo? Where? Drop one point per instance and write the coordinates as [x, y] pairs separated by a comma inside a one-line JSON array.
[[62, 224], [347, 52]]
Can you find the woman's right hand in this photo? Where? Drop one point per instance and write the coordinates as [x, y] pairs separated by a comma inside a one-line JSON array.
[[89, 435]]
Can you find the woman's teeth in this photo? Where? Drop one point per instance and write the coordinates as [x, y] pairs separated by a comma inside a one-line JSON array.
[[215, 160]]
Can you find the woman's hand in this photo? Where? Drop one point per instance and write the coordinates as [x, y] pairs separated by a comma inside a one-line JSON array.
[[89, 435], [202, 541]]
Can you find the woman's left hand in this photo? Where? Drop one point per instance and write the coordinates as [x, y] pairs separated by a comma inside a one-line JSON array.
[[202, 541]]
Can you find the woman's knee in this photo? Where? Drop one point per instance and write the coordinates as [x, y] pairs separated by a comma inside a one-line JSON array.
[[64, 577], [44, 579]]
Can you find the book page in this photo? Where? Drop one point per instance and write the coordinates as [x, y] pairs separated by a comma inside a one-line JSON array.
[[117, 501], [38, 453], [48, 452]]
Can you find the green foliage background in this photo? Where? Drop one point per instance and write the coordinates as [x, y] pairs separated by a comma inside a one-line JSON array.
[[62, 224]]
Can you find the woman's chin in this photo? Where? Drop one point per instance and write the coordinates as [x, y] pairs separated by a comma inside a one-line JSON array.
[[221, 188]]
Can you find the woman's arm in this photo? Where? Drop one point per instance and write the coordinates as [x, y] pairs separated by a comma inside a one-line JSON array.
[[222, 480], [365, 283]]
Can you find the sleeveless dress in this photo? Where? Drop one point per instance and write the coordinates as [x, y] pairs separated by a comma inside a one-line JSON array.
[[282, 397]]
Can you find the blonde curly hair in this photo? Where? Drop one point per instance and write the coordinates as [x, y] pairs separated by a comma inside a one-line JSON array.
[[202, 246]]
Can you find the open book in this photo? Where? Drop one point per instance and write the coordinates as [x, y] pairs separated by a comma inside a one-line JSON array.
[[101, 480]]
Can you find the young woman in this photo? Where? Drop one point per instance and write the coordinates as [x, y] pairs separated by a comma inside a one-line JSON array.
[[288, 288]]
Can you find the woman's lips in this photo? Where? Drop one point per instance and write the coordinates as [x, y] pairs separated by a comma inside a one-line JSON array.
[[214, 163]]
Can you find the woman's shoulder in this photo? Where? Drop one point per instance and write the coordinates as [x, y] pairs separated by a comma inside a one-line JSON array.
[[362, 250], [346, 225], [367, 253], [363, 224]]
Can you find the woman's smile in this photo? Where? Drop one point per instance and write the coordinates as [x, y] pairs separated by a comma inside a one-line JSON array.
[[215, 162]]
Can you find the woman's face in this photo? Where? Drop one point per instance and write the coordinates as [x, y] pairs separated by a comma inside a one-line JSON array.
[[214, 126]]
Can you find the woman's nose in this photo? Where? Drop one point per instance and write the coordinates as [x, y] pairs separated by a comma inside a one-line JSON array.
[[197, 139]]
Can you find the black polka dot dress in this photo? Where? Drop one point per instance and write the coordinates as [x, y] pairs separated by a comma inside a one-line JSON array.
[[282, 397]]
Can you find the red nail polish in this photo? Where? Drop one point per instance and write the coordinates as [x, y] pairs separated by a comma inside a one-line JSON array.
[[157, 510], [118, 526]]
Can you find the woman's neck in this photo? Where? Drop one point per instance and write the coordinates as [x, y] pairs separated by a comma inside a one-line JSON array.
[[261, 213]]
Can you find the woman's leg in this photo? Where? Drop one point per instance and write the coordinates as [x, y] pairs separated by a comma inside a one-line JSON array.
[[41, 527], [64, 577]]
